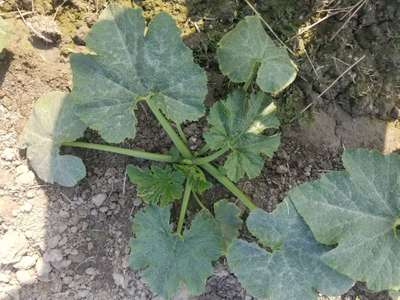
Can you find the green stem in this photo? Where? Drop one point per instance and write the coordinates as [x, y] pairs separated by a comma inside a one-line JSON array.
[[181, 133], [185, 202], [128, 152], [229, 185], [251, 77], [180, 145], [211, 157], [197, 198], [203, 150]]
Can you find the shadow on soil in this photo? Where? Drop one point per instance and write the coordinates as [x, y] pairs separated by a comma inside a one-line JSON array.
[[86, 229]]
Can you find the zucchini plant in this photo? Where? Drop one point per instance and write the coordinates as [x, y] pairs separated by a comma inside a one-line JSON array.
[[131, 63]]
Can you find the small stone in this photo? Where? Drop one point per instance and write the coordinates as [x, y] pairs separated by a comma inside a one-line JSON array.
[[27, 207], [54, 255], [281, 169], [21, 169], [53, 241], [83, 294], [13, 246], [42, 268], [25, 277], [62, 227], [74, 229], [119, 280], [5, 278], [8, 154], [91, 271], [25, 178], [99, 199], [103, 209], [26, 263], [30, 194], [64, 214], [60, 265], [67, 280]]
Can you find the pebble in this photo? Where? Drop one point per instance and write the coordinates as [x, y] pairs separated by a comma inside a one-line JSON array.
[[8, 154], [281, 169], [53, 241], [27, 207], [119, 280], [25, 277], [26, 263], [5, 278], [13, 246], [30, 194], [99, 199], [53, 255], [42, 268], [25, 178], [91, 271]]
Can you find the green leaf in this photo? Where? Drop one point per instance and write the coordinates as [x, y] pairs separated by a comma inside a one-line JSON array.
[[293, 269], [358, 209], [157, 185], [5, 34], [132, 66], [52, 123], [227, 216], [168, 260], [198, 180], [246, 49], [238, 123]]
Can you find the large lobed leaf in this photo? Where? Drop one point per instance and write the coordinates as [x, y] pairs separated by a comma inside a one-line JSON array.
[[131, 65], [157, 185], [5, 34], [168, 260], [238, 123], [358, 209], [52, 123], [228, 219], [248, 49], [293, 269]]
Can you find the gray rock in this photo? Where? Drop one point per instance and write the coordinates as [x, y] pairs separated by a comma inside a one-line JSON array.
[[25, 277], [13, 245], [99, 199], [53, 255], [42, 268], [26, 263], [8, 154], [53, 241], [119, 280], [26, 178], [5, 278]]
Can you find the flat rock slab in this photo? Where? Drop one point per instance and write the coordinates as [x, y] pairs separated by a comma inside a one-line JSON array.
[[13, 246], [337, 129]]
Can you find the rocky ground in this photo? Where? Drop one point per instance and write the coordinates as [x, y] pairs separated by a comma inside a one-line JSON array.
[[72, 243]]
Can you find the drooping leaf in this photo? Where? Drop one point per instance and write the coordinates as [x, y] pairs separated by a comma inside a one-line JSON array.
[[52, 123], [157, 185], [358, 209], [247, 50], [5, 34], [293, 269], [238, 123], [196, 176], [168, 260], [227, 216], [130, 66]]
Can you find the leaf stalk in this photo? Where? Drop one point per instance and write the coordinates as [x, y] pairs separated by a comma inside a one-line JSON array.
[[129, 152], [211, 157], [229, 185], [185, 202], [180, 145]]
